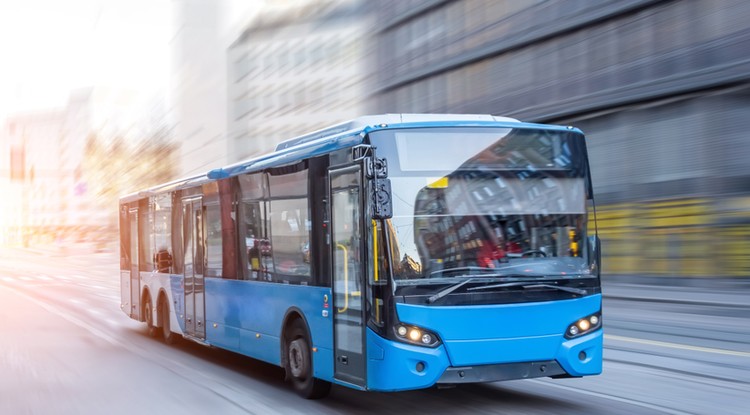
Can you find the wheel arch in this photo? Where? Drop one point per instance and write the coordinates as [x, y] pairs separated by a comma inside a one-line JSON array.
[[292, 314]]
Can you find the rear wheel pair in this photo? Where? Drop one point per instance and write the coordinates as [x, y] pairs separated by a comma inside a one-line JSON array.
[[162, 309]]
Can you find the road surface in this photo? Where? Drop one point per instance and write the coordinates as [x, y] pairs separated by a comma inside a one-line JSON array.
[[66, 348]]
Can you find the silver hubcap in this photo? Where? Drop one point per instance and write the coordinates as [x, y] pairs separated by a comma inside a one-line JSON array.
[[297, 358]]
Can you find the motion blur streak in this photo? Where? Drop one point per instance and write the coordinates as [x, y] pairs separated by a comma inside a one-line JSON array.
[[677, 346]]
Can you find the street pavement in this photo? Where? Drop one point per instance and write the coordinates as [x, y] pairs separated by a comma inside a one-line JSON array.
[[66, 348]]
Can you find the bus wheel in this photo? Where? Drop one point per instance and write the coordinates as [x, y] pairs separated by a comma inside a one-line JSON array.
[[299, 364], [169, 337], [149, 312]]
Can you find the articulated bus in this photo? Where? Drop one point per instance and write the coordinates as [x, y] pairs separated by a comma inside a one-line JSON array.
[[389, 253]]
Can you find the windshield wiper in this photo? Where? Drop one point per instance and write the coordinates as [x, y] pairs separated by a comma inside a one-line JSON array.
[[478, 270], [447, 290], [529, 284]]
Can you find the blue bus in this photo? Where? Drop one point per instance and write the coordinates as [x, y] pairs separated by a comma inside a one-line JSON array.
[[389, 253]]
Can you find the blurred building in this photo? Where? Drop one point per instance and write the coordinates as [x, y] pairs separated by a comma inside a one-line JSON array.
[[198, 92], [49, 193], [33, 197], [660, 87], [298, 67]]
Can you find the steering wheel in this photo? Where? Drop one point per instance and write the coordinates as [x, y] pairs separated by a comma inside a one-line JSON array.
[[533, 252]]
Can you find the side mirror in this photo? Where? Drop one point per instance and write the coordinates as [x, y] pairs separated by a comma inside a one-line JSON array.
[[595, 254], [382, 207]]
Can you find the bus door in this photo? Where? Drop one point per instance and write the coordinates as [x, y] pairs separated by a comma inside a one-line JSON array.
[[348, 275], [135, 274], [195, 248]]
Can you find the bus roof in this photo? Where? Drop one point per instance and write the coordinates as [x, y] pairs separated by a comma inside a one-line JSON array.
[[330, 139]]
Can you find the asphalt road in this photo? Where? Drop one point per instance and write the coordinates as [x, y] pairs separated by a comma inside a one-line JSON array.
[[66, 348]]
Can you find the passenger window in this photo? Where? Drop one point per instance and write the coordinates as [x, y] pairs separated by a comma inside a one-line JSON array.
[[290, 227], [213, 241], [163, 259], [253, 228], [124, 239], [145, 236]]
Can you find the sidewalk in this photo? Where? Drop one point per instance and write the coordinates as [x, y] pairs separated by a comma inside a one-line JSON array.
[[724, 292]]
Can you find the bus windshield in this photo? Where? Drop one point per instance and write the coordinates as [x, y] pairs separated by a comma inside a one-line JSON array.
[[493, 204]]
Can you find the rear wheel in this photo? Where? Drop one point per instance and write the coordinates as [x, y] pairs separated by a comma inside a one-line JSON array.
[[169, 337], [299, 364], [148, 310]]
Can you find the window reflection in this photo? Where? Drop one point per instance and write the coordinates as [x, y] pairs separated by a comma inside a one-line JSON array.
[[509, 199]]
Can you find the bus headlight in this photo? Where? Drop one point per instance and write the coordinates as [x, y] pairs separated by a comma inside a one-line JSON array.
[[584, 326], [415, 335]]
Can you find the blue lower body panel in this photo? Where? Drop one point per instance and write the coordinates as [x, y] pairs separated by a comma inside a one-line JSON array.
[[247, 317]]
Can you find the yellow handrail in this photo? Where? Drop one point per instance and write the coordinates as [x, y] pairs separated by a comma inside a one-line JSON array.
[[375, 249], [346, 278]]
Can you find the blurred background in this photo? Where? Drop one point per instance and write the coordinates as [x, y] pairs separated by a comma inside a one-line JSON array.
[[103, 98]]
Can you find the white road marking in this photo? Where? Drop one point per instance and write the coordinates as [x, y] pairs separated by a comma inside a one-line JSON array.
[[108, 296], [612, 397], [78, 322], [677, 345]]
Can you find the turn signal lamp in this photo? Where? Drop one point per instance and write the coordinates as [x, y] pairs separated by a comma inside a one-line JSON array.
[[584, 326]]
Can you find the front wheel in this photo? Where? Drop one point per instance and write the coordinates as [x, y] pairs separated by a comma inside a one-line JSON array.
[[299, 364]]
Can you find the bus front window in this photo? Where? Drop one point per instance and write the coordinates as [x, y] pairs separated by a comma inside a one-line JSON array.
[[503, 202]]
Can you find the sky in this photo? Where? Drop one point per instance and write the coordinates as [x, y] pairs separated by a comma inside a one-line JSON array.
[[50, 47]]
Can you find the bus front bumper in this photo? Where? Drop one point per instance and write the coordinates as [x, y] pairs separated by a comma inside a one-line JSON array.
[[395, 366], [498, 372]]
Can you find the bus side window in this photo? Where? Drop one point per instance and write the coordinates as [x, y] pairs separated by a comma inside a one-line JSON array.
[[253, 228], [145, 236], [124, 239], [254, 243], [162, 233], [290, 227], [213, 239]]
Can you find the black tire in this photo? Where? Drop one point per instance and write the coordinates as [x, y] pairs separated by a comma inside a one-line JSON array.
[[299, 363], [169, 337], [148, 311]]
